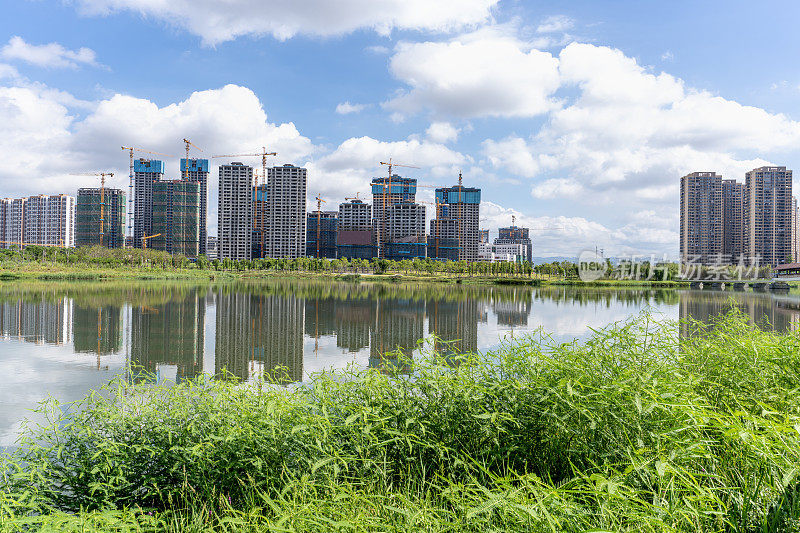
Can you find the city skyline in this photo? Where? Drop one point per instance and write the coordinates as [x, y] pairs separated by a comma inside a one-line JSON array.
[[581, 130]]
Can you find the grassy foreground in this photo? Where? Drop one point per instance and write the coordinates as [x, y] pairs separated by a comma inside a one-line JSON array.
[[634, 429]]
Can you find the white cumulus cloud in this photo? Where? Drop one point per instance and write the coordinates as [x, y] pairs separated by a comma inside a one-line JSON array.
[[484, 73], [555, 24], [52, 55], [345, 108], [442, 132], [216, 21], [40, 122]]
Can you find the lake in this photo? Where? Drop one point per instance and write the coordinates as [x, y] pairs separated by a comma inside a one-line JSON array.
[[62, 339]]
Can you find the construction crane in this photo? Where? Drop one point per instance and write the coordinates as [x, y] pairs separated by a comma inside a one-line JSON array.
[[187, 143], [131, 204], [390, 164], [320, 201], [354, 197], [102, 196], [437, 218], [145, 238], [263, 154]]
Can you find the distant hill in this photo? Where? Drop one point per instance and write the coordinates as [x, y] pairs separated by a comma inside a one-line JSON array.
[[557, 259]]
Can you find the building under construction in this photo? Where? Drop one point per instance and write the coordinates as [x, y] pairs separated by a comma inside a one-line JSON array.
[[442, 244], [146, 172], [176, 216], [406, 232], [457, 219], [196, 171], [354, 234], [386, 192], [94, 205], [321, 228], [516, 235]]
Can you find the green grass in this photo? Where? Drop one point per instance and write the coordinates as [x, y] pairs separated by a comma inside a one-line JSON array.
[[634, 430]]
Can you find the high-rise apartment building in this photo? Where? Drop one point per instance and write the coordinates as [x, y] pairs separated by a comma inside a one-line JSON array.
[[795, 231], [286, 212], [196, 171], [11, 218], [355, 215], [513, 235], [259, 233], [45, 220], [321, 234], [406, 231], [768, 215], [146, 172], [732, 220], [354, 235], [462, 205], [701, 218], [88, 228], [176, 217], [386, 192], [235, 212], [443, 241], [406, 220]]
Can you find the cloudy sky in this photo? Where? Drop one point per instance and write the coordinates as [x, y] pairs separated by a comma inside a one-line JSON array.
[[577, 116]]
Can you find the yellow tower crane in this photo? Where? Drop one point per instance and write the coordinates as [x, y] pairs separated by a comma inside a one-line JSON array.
[[353, 197], [131, 204], [187, 143], [102, 196], [320, 201], [382, 233], [145, 238]]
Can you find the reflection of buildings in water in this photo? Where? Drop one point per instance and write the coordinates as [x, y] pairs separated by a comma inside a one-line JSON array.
[[779, 313], [354, 316], [170, 334], [398, 327], [48, 322], [97, 330], [455, 324], [320, 320], [512, 313], [258, 334]]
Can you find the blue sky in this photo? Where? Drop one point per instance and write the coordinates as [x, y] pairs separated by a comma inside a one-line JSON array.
[[578, 117]]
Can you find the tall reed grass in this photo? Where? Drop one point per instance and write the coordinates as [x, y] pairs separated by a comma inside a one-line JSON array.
[[636, 429]]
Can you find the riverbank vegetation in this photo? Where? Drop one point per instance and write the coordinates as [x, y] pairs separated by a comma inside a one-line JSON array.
[[636, 429], [84, 263]]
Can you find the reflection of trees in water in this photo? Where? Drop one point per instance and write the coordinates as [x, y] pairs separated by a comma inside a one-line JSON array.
[[259, 333], [38, 318], [169, 333], [635, 297], [768, 311]]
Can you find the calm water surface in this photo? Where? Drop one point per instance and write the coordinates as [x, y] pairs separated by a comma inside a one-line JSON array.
[[63, 339]]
